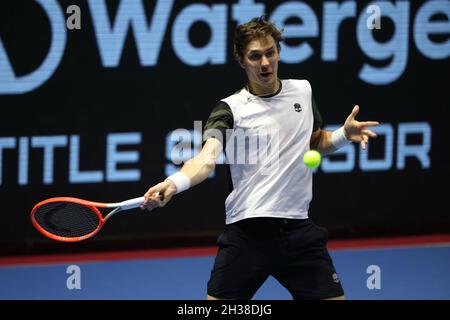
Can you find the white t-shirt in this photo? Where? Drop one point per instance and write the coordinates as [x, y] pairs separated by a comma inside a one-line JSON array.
[[264, 147]]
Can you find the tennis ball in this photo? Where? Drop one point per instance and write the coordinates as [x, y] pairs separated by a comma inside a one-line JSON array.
[[312, 159]]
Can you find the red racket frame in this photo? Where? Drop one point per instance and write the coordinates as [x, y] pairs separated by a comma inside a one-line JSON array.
[[91, 205]]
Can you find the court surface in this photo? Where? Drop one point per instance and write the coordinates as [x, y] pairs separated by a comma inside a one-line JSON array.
[[397, 268]]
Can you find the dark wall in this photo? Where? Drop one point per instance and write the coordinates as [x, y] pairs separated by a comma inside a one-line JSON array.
[[65, 94]]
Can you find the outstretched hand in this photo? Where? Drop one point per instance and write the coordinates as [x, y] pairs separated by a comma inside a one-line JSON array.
[[357, 131]]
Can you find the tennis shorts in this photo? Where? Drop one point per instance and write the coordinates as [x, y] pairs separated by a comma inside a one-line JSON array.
[[293, 251]]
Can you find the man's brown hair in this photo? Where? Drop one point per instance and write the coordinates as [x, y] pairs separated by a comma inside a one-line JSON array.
[[255, 29]]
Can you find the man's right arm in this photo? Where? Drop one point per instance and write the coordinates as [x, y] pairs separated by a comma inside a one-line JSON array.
[[192, 173], [200, 167]]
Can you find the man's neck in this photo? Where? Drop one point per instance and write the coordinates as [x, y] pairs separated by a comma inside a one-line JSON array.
[[263, 91]]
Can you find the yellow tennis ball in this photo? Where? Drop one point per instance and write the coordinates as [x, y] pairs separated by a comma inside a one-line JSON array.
[[312, 159]]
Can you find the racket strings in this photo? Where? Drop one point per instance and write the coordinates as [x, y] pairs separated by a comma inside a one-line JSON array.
[[67, 219]]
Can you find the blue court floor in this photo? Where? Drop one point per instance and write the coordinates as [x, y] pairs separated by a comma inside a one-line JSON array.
[[418, 272]]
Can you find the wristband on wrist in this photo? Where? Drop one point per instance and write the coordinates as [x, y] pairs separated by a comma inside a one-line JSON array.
[[181, 181], [338, 138]]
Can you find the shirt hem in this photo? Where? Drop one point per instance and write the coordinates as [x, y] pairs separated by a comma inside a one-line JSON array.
[[271, 214]]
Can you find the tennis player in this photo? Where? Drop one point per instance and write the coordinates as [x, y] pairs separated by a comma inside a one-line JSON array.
[[267, 230]]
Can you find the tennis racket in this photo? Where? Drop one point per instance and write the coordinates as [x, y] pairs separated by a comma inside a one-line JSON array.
[[71, 219]]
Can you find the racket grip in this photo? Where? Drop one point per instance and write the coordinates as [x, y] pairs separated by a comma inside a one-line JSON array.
[[132, 203]]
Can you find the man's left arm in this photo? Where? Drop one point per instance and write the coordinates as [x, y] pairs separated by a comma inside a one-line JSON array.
[[352, 131]]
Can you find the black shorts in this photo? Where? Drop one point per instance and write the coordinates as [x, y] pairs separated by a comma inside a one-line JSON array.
[[293, 251]]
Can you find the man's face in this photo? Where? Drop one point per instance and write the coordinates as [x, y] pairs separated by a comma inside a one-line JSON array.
[[260, 62]]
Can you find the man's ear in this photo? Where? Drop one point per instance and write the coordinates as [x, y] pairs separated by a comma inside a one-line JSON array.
[[241, 63]]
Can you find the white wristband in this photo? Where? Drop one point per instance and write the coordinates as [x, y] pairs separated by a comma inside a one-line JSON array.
[[182, 181], [338, 138]]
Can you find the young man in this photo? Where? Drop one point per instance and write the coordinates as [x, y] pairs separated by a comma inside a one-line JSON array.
[[267, 231]]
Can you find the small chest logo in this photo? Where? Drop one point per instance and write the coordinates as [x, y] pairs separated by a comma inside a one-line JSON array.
[[297, 107]]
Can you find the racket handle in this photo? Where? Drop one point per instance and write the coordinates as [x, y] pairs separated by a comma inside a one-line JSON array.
[[132, 203]]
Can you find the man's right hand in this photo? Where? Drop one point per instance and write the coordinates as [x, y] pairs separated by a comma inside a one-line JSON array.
[[159, 195]]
